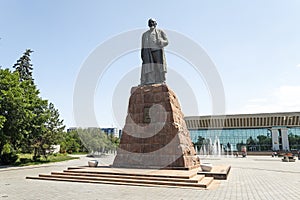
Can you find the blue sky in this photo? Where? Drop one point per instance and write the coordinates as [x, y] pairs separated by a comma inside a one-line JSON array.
[[254, 45]]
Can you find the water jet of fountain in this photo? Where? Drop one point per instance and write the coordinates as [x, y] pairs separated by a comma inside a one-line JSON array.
[[219, 148]]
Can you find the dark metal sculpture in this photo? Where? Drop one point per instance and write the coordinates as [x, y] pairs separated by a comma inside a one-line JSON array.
[[154, 62]]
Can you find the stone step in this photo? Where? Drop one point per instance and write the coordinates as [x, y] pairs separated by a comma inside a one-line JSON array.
[[203, 183], [183, 174], [195, 179], [207, 182], [125, 176]]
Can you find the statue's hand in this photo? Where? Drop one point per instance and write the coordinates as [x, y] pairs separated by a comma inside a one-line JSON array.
[[160, 43]]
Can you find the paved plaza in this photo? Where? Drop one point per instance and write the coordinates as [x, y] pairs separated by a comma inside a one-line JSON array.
[[250, 178]]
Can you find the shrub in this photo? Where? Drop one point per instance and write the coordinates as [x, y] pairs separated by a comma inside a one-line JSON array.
[[25, 160], [36, 158], [8, 158], [8, 155]]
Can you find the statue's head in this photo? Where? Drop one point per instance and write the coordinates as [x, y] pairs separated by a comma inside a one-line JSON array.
[[152, 23]]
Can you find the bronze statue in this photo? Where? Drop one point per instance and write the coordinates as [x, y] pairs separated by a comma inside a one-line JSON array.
[[154, 67]]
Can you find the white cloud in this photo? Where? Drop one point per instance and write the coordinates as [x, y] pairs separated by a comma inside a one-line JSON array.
[[298, 65], [283, 99]]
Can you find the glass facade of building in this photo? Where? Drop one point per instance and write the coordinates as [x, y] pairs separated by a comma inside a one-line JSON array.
[[281, 130], [294, 131], [235, 136]]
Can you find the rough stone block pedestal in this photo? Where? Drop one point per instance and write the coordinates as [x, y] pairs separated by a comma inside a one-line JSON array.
[[155, 134]]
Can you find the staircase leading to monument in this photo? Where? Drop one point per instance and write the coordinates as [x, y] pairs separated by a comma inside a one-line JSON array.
[[135, 177]]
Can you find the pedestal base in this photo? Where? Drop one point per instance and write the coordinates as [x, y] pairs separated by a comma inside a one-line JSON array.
[[155, 134]]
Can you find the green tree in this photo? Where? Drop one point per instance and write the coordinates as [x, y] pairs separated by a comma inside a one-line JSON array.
[[37, 117], [48, 129], [54, 126], [16, 110], [13, 110], [71, 143], [24, 67], [115, 142], [27, 122], [44, 128]]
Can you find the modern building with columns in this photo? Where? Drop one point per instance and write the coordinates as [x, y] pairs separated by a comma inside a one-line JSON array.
[[236, 129]]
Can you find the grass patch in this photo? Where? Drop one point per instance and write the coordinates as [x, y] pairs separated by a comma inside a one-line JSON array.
[[26, 159]]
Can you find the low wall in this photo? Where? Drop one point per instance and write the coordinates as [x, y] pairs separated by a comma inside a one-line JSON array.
[[266, 153]]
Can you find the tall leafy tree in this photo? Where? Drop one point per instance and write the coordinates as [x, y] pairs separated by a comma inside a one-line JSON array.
[[44, 128], [24, 67], [13, 109], [27, 122], [35, 129], [50, 131]]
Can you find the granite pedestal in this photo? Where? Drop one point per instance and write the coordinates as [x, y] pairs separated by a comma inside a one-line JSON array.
[[155, 134]]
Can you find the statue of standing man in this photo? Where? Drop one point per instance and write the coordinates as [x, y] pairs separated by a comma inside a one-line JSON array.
[[154, 67]]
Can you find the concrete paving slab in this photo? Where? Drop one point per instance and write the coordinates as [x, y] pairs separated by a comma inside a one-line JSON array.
[[250, 178]]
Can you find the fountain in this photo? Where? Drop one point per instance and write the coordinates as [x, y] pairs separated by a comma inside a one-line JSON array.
[[211, 148], [222, 150], [214, 149], [219, 148], [204, 151]]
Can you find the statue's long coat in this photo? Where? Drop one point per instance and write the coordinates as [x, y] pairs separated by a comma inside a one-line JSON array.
[[146, 55]]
